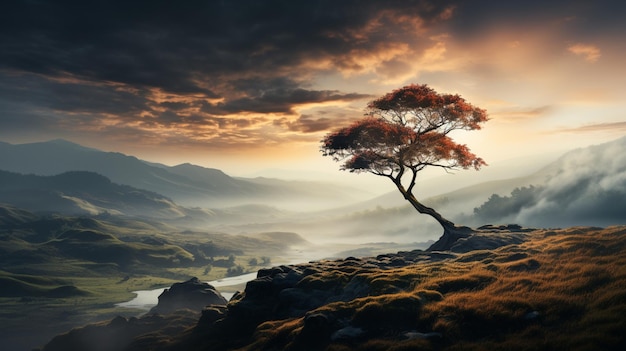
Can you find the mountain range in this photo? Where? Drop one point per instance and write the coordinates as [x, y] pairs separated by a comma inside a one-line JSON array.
[[118, 217], [187, 184], [585, 186], [83, 193]]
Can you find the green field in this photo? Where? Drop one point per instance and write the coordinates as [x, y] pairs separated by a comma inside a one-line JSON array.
[[57, 272]]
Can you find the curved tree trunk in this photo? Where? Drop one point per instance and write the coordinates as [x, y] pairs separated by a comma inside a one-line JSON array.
[[451, 233]]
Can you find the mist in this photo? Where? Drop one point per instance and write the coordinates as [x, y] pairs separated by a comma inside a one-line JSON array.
[[585, 187], [207, 215]]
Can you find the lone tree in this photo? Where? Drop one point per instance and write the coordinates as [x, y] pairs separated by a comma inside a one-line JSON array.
[[404, 132]]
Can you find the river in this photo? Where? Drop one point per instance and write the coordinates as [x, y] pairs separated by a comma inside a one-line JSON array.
[[146, 299]]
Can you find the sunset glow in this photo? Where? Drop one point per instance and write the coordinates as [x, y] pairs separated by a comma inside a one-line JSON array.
[[247, 85]]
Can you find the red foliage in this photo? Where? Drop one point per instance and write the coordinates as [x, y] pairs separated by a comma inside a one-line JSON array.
[[407, 128], [443, 147], [368, 132], [405, 132], [408, 97], [423, 107]]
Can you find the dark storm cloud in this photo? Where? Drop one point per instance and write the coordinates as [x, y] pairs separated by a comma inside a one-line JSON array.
[[311, 124], [279, 101], [154, 64], [176, 106], [176, 46], [165, 64], [476, 17], [71, 96], [16, 119]]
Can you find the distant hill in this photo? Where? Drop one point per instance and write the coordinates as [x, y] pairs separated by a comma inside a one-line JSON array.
[[586, 186], [186, 184], [82, 193]]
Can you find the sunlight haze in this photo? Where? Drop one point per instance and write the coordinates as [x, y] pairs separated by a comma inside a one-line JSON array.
[[176, 175], [550, 76]]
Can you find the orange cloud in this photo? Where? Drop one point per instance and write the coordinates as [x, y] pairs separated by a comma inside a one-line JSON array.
[[516, 114], [590, 53], [619, 127]]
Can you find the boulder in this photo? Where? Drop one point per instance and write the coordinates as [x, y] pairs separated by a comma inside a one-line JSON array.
[[192, 294]]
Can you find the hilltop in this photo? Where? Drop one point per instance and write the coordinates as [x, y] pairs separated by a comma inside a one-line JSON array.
[[186, 184], [505, 288], [58, 272]]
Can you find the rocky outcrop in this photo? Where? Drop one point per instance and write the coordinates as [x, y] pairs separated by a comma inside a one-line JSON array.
[[192, 294], [487, 237], [170, 317], [539, 290], [293, 291]]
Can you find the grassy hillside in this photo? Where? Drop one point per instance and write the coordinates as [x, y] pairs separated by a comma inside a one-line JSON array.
[[58, 272], [80, 192], [558, 289], [537, 290]]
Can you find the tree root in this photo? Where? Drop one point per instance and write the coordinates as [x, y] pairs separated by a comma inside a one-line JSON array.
[[449, 237]]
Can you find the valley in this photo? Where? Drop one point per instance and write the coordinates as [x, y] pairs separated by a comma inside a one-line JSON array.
[[76, 243]]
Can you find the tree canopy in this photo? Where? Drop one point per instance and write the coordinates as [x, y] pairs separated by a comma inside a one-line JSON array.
[[404, 132]]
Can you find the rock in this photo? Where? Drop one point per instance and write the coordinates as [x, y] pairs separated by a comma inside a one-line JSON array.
[[295, 302], [417, 335], [192, 294], [450, 237], [347, 333], [357, 287], [260, 287], [533, 315], [487, 241], [268, 272], [211, 314], [507, 228], [317, 329]]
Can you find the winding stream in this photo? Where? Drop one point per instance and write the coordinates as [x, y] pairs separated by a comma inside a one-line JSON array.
[[146, 299]]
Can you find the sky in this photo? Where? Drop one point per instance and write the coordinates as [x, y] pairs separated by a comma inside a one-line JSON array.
[[246, 85]]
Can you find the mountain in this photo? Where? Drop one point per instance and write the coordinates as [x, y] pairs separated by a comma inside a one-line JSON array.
[[586, 186], [80, 192], [12, 216], [186, 184]]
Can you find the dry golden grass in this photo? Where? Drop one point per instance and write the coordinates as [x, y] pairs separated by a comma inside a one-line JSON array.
[[569, 294], [559, 290]]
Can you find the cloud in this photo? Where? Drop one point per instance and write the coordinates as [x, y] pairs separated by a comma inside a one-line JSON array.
[[307, 124], [512, 114], [262, 71], [598, 127], [179, 47], [585, 187], [279, 101], [588, 186], [590, 53], [71, 96], [165, 67]]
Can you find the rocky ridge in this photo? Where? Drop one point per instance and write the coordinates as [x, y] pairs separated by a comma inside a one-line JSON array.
[[192, 294], [508, 287]]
